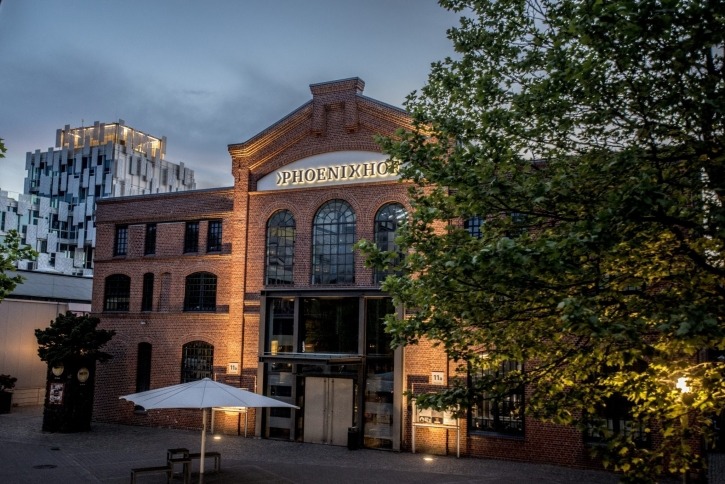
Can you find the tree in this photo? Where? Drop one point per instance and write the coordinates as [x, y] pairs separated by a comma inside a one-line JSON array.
[[10, 253], [72, 338], [71, 346], [586, 138]]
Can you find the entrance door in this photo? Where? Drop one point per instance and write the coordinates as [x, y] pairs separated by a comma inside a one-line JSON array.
[[328, 410]]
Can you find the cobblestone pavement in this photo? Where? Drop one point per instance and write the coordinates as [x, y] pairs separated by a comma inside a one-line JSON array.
[[109, 452]]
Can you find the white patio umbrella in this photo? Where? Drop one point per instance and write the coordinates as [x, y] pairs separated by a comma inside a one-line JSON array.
[[201, 394]]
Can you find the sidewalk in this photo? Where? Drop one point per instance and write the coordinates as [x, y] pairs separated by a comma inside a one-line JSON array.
[[109, 452]]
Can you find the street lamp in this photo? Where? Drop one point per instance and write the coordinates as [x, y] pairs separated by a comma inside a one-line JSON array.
[[682, 385], [684, 388]]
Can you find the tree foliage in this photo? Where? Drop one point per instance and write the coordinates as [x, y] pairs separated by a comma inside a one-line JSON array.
[[72, 338], [10, 253], [588, 136]]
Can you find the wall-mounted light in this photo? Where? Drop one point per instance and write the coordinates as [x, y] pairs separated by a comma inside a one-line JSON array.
[[143, 323], [682, 385]]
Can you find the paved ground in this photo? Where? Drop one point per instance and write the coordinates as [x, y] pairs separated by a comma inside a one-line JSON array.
[[108, 452]]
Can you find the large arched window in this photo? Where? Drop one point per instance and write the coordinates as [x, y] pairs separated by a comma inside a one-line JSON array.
[[197, 361], [280, 248], [387, 222], [117, 293], [333, 236], [200, 292]]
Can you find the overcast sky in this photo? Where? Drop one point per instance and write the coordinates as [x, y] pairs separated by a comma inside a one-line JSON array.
[[204, 74]]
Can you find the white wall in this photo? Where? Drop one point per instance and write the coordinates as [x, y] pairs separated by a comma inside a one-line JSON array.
[[19, 349]]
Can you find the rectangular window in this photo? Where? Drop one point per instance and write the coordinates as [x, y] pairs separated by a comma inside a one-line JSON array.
[[281, 314], [329, 325], [147, 296], [614, 417], [191, 237], [214, 236], [120, 246], [150, 241], [498, 412]]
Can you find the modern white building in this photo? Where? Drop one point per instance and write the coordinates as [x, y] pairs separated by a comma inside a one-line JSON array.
[[56, 212]]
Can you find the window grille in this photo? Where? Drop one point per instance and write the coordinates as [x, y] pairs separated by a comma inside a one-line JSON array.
[[120, 246], [474, 226], [280, 248], [150, 241], [387, 222], [117, 293], [191, 237], [200, 292], [214, 236], [197, 361], [498, 411], [333, 239]]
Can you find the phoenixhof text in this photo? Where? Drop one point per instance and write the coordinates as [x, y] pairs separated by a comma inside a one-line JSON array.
[[346, 172]]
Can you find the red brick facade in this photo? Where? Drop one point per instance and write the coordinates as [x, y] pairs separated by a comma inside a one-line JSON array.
[[338, 119]]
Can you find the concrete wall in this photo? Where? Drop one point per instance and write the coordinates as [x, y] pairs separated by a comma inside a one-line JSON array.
[[19, 349]]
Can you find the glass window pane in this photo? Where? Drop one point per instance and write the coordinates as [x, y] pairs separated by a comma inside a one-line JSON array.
[[329, 325], [214, 236], [200, 292], [280, 248], [493, 412], [333, 234], [387, 222], [117, 293], [197, 361]]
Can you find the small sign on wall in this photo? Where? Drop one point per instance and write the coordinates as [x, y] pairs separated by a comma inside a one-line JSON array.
[[55, 396], [232, 368], [437, 378]]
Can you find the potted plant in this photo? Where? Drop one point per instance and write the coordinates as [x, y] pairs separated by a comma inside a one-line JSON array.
[[7, 383]]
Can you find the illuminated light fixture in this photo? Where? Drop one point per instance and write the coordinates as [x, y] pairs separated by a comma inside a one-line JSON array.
[[428, 459], [217, 437], [682, 385]]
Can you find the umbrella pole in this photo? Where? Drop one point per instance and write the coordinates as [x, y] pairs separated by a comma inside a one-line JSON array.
[[203, 445]]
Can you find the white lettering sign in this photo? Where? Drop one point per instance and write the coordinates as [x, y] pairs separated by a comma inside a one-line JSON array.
[[336, 168], [352, 171]]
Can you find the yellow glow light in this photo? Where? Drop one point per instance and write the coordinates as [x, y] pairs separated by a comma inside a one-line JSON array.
[[682, 385]]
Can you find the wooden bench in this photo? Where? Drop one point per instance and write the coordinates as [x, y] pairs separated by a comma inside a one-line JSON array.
[[179, 455], [185, 466], [151, 470], [216, 455]]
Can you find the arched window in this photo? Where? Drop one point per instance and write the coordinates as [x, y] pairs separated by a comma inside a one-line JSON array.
[[280, 248], [200, 292], [197, 361], [387, 222], [143, 367], [333, 235], [147, 293], [117, 293], [165, 293]]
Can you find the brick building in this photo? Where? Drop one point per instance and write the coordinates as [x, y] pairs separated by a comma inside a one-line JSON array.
[[257, 285]]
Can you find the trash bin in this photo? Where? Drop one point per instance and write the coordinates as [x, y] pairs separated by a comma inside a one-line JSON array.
[[353, 438]]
